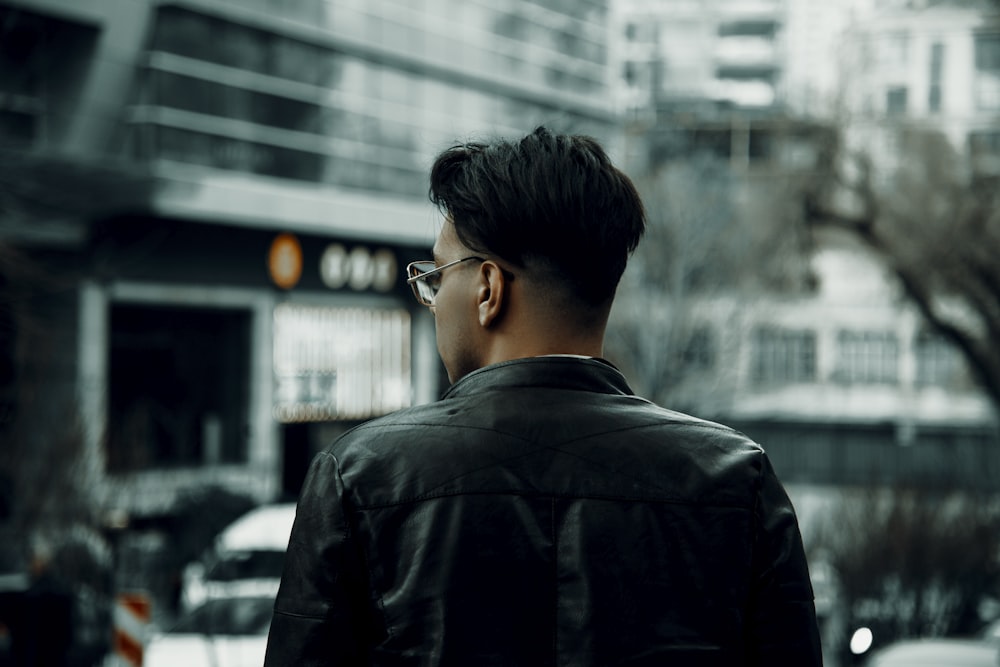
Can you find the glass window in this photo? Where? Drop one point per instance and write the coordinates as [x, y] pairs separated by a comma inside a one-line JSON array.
[[984, 142], [222, 152], [895, 100], [372, 124], [240, 47], [285, 113], [298, 61], [987, 48], [200, 96], [934, 93], [289, 163], [184, 33], [512, 25], [349, 172], [934, 98], [213, 40], [177, 386], [937, 61], [867, 357], [938, 363], [394, 134], [340, 363], [341, 124], [401, 180], [783, 356]]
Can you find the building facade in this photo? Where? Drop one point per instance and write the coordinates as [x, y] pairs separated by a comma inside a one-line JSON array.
[[934, 67], [725, 52], [246, 183], [845, 385]]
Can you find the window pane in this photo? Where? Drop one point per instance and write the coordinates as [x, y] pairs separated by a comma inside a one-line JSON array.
[[784, 356], [988, 52], [895, 100], [336, 363], [938, 363], [867, 357]]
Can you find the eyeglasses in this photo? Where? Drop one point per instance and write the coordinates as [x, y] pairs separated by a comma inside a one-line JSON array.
[[425, 278]]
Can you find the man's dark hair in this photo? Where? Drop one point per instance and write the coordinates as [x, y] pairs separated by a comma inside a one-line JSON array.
[[554, 204]]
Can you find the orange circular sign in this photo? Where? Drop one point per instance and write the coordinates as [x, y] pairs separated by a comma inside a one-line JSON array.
[[284, 260]]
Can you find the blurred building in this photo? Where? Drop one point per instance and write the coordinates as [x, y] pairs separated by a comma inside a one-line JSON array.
[[728, 52], [926, 65], [845, 385], [901, 66], [720, 76], [220, 198]]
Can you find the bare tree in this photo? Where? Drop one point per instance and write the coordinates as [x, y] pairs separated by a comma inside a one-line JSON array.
[[935, 221], [716, 238], [912, 561], [47, 475], [41, 457], [655, 334]]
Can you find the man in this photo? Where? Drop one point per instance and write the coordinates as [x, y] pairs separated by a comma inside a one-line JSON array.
[[539, 513]]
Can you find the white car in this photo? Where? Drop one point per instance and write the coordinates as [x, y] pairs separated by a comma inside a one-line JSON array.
[[936, 653], [991, 632], [222, 632], [246, 558]]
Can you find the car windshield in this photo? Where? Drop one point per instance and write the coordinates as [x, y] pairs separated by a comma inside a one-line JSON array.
[[228, 616], [234, 566]]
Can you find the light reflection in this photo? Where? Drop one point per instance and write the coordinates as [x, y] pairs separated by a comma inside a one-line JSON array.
[[861, 640]]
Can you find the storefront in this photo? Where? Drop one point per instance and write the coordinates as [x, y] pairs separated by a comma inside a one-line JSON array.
[[228, 356]]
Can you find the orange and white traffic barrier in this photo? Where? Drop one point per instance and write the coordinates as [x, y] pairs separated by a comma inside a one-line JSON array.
[[131, 625]]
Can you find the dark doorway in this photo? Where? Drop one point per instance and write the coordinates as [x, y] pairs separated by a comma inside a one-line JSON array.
[[178, 389]]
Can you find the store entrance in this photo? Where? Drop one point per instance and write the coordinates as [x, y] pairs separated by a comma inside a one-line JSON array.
[[178, 386]]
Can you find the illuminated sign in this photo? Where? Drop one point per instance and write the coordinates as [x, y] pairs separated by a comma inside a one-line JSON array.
[[284, 261], [358, 268]]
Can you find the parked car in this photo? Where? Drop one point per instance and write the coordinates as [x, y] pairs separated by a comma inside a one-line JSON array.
[[937, 653], [221, 632], [246, 557], [991, 632]]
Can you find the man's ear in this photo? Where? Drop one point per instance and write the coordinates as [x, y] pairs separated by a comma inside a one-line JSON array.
[[491, 293]]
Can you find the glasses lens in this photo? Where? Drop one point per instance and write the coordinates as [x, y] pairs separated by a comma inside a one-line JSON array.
[[417, 268], [424, 288], [424, 291]]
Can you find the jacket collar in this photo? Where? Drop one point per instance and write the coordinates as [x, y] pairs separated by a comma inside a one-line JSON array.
[[562, 372]]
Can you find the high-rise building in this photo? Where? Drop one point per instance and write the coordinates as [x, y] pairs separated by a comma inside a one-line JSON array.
[[727, 52]]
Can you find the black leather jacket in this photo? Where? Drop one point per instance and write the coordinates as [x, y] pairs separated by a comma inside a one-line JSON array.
[[541, 514]]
